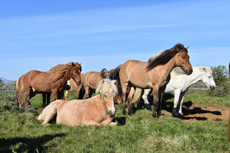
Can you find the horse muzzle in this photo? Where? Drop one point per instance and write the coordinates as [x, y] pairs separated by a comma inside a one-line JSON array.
[[78, 83], [111, 114], [188, 72], [212, 87]]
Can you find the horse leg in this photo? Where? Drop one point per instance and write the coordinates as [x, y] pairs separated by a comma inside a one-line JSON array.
[[54, 95], [49, 116], [180, 114], [124, 89], [91, 91], [48, 99], [44, 99], [160, 97], [176, 100], [129, 99], [87, 92], [66, 95], [145, 97], [155, 101]]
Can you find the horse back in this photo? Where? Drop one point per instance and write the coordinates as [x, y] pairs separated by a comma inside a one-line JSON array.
[[91, 79]]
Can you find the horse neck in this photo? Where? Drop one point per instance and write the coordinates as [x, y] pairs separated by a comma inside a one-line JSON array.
[[65, 78], [195, 76], [168, 67]]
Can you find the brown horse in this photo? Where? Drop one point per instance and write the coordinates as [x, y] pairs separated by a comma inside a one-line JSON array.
[[52, 81], [93, 111], [153, 74], [73, 88], [91, 80]]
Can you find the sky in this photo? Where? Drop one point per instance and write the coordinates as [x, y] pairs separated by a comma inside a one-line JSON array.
[[38, 35]]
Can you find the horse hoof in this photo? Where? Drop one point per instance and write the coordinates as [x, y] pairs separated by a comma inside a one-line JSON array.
[[181, 115], [174, 114], [130, 114], [148, 107], [154, 116], [124, 112]]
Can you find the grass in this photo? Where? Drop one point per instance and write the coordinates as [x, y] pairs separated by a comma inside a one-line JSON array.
[[19, 132]]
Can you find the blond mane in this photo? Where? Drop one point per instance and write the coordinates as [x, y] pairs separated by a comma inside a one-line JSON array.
[[155, 56], [107, 86]]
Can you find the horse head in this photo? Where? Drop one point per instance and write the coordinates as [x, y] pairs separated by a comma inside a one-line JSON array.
[[75, 72], [182, 59], [108, 91], [207, 78]]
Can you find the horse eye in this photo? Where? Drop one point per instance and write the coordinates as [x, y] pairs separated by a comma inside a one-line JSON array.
[[182, 57], [105, 96]]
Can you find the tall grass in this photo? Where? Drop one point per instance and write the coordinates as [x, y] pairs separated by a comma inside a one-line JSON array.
[[19, 132]]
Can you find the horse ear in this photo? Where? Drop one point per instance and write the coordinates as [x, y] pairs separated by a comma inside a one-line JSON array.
[[102, 81], [187, 48], [204, 69]]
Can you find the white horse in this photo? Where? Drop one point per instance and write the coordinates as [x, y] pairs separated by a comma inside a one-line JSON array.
[[180, 82]]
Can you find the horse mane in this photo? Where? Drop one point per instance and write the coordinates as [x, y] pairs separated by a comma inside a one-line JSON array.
[[114, 75], [60, 70], [104, 73], [107, 86], [164, 56]]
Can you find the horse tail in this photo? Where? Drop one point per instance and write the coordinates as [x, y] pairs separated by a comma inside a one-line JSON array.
[[38, 119], [104, 73], [137, 95], [81, 92], [114, 75]]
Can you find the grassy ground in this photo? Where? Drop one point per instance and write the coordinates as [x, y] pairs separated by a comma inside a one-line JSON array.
[[19, 132]]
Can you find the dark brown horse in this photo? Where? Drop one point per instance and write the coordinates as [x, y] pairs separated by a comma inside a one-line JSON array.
[[52, 81], [154, 74], [90, 81]]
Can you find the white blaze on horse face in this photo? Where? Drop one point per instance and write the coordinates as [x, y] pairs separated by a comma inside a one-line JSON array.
[[110, 104]]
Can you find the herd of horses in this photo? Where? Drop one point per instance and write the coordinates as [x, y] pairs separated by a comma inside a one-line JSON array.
[[168, 71]]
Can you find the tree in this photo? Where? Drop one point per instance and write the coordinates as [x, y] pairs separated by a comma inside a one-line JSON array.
[[220, 75]]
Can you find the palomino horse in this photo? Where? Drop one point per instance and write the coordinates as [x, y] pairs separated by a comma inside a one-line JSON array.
[[52, 81], [93, 111], [90, 81], [73, 87], [153, 74], [179, 83]]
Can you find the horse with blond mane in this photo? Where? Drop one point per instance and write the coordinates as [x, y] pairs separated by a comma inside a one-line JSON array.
[[154, 74], [97, 110], [52, 81]]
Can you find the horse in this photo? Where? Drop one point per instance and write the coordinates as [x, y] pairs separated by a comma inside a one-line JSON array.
[[97, 110], [152, 74], [52, 81], [90, 81], [72, 87], [180, 82]]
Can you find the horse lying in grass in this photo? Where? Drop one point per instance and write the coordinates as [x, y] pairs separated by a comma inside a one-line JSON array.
[[97, 110], [180, 83]]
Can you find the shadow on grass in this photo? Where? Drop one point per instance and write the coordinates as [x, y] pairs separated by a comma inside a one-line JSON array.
[[26, 144], [120, 120]]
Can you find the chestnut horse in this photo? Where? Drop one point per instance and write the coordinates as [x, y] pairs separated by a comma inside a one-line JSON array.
[[52, 81], [153, 74], [93, 111], [72, 87], [90, 81]]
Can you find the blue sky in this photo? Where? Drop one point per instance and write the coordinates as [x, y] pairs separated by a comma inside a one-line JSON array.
[[37, 35]]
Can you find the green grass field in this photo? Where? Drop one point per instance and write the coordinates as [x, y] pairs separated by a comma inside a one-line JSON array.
[[19, 132]]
